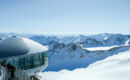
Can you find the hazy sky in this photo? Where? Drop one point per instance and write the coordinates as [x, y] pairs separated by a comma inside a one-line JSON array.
[[65, 16]]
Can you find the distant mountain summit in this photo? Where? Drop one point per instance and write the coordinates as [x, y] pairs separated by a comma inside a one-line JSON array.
[[105, 39]]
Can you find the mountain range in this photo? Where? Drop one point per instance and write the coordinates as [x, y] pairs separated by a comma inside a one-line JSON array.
[[71, 52]]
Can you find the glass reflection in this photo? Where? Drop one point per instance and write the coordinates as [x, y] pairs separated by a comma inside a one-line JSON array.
[[28, 61]]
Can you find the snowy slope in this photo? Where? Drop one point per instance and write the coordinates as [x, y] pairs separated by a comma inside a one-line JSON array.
[[100, 48], [72, 56], [115, 67]]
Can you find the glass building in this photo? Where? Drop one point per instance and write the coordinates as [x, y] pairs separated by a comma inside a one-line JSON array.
[[24, 53]]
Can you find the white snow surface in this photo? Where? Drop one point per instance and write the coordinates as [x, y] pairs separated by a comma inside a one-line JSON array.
[[100, 48], [106, 48], [34, 46], [105, 38], [115, 67], [127, 42]]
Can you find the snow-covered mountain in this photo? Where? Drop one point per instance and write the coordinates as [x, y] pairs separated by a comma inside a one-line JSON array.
[[72, 56], [115, 67], [87, 41], [71, 52]]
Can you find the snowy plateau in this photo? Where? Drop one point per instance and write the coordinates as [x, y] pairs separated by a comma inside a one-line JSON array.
[[95, 57]]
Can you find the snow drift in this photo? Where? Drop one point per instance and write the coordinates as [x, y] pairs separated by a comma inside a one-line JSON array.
[[115, 67]]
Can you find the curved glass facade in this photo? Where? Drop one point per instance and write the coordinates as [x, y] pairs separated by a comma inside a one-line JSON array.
[[28, 61]]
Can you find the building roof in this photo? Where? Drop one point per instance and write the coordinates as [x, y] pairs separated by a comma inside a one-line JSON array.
[[16, 46]]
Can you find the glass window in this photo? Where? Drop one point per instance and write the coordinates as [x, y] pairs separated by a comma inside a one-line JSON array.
[[28, 61]]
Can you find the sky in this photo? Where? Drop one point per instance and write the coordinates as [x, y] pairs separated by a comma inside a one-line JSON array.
[[65, 16]]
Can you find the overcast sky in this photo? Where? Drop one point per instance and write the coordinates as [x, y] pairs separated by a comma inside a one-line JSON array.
[[65, 16]]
